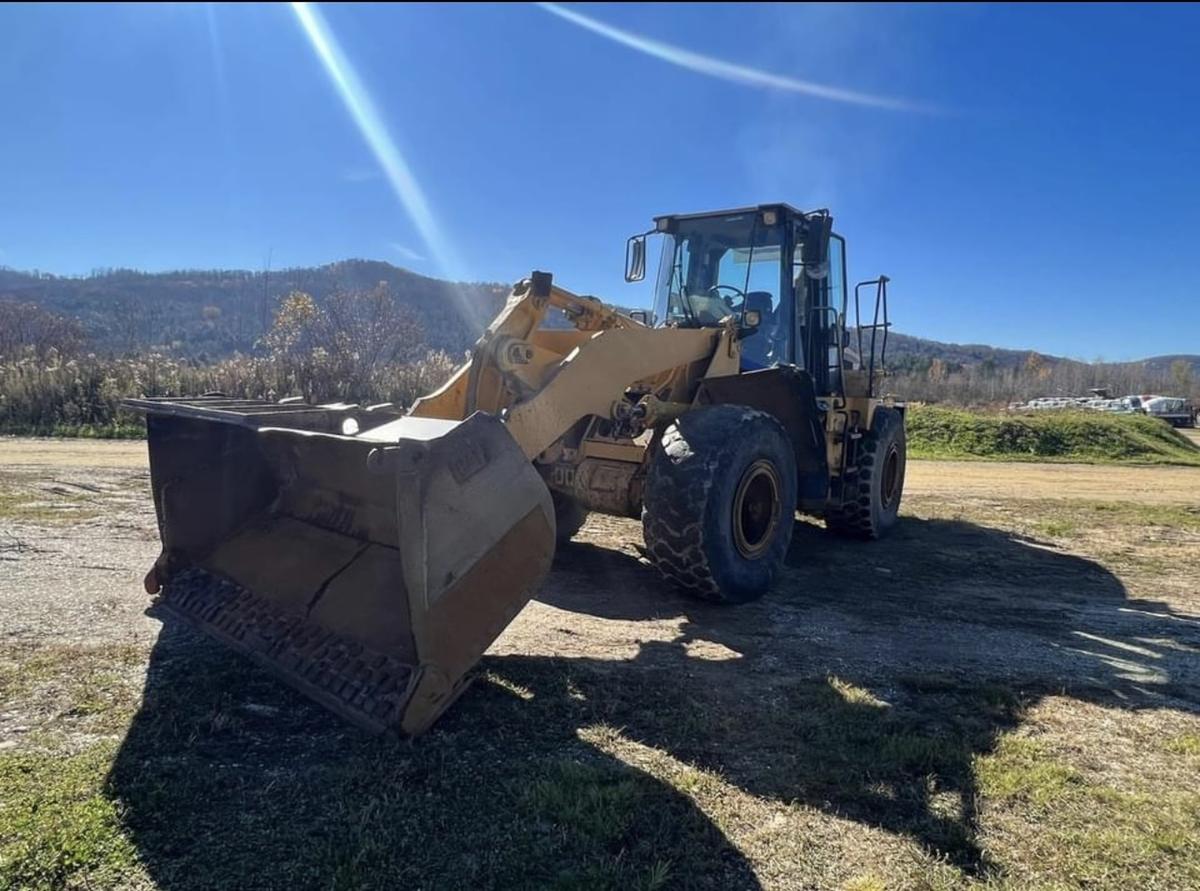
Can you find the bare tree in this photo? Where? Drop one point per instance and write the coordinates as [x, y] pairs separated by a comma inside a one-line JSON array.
[[26, 327], [341, 349], [1181, 374]]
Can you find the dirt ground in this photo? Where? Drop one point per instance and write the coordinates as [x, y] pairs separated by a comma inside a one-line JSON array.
[[1007, 690]]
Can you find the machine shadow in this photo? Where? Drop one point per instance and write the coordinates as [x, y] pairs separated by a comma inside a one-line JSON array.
[[864, 686], [228, 779], [875, 674]]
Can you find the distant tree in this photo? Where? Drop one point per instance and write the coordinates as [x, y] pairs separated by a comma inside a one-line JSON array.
[[1034, 364], [137, 321], [126, 322], [27, 328], [369, 328], [340, 349], [293, 332], [1181, 376]]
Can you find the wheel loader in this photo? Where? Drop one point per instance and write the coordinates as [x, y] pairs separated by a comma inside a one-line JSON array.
[[369, 556]]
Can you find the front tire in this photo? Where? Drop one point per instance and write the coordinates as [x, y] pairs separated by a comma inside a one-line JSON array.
[[871, 495], [720, 502]]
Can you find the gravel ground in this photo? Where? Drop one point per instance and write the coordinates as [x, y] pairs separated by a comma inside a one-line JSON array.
[[902, 709], [73, 574]]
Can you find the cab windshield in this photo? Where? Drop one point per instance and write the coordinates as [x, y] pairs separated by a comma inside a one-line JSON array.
[[714, 267]]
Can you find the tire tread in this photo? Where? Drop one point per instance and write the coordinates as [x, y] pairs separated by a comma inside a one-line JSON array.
[[855, 517], [677, 494]]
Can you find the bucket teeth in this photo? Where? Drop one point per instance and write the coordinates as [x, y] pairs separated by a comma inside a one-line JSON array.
[[369, 688]]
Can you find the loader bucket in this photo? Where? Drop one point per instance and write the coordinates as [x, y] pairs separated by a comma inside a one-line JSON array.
[[369, 571]]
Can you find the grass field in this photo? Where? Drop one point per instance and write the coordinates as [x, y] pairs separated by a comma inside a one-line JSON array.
[[1004, 694], [1069, 436]]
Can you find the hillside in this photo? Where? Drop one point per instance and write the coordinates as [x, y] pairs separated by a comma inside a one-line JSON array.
[[906, 351], [1164, 363], [214, 313]]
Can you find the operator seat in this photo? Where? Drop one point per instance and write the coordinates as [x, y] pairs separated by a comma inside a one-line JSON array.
[[758, 350], [764, 302]]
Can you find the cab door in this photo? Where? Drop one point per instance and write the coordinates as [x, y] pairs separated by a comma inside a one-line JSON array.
[[819, 286]]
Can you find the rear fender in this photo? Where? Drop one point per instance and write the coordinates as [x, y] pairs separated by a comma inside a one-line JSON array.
[[787, 393]]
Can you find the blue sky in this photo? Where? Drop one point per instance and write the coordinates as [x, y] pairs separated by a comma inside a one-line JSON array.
[[1028, 175]]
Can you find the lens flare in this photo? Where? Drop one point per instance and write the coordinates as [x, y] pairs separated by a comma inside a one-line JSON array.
[[723, 70], [366, 116]]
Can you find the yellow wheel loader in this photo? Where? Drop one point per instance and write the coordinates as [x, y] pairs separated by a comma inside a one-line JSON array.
[[369, 556]]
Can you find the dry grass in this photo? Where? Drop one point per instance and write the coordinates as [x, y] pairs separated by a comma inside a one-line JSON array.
[[81, 397], [30, 507]]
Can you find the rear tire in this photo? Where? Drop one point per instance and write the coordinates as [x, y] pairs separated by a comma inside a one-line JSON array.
[[872, 494], [569, 516], [720, 502]]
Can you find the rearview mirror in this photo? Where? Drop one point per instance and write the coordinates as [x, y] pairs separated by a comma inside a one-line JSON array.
[[815, 251], [635, 258]]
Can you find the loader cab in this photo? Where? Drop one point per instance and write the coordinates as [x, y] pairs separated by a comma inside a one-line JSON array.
[[780, 272]]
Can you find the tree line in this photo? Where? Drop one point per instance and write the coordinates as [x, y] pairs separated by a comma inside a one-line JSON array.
[[359, 346], [990, 384], [369, 345]]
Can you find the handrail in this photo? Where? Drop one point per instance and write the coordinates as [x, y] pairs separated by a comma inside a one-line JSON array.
[[881, 307]]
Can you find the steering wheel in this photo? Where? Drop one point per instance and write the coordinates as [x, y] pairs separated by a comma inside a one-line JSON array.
[[715, 290]]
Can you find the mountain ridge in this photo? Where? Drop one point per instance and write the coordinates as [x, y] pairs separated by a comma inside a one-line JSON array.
[[211, 313]]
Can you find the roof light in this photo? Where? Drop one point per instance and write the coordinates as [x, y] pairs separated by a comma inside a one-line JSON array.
[[770, 218]]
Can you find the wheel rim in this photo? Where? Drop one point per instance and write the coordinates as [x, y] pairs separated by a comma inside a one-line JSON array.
[[756, 509], [891, 477]]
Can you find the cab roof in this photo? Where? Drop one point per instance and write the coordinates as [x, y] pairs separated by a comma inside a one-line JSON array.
[[784, 209]]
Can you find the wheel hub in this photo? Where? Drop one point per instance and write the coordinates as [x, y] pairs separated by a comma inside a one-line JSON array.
[[891, 477], [756, 509]]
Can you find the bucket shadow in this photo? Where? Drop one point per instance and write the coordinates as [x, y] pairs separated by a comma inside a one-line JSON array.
[[228, 779]]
